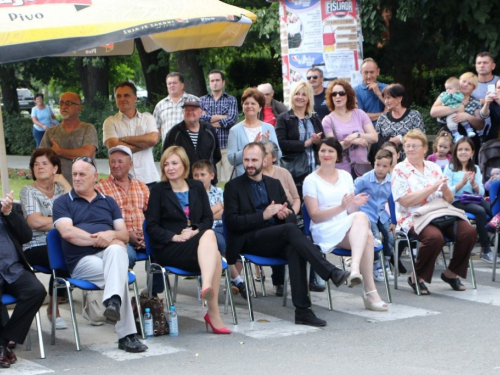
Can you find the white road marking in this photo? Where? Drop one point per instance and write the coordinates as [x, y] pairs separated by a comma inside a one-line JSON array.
[[155, 348], [23, 366]]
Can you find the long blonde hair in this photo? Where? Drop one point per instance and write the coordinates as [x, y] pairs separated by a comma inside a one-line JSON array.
[[296, 87]]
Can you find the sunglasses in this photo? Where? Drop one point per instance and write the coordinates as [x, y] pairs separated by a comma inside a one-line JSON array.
[[87, 160], [312, 77], [67, 103], [339, 93]]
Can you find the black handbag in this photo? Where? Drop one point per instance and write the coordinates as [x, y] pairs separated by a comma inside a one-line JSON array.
[[297, 164], [444, 222]]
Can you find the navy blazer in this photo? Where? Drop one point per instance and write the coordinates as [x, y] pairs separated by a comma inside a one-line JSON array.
[[165, 217], [240, 214]]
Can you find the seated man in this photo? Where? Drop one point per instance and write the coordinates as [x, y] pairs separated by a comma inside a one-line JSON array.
[[257, 212], [16, 279], [93, 240]]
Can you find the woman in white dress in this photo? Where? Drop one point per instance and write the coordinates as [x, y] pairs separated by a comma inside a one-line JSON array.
[[333, 208]]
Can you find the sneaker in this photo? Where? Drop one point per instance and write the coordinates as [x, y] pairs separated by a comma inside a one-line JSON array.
[[242, 289], [377, 242], [390, 275], [60, 323], [378, 272], [487, 257]]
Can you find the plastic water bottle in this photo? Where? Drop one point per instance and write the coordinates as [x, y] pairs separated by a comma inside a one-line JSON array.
[[148, 323], [172, 322]]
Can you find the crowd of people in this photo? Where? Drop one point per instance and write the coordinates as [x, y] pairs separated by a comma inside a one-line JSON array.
[[343, 151]]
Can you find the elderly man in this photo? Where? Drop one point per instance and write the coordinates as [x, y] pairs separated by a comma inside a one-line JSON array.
[[198, 138], [168, 111], [72, 138], [258, 222], [133, 129], [315, 78], [272, 108], [369, 93], [16, 279], [94, 235]]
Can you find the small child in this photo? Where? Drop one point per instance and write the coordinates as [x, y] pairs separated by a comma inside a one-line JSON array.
[[494, 175], [453, 98], [442, 150], [204, 171], [377, 184]]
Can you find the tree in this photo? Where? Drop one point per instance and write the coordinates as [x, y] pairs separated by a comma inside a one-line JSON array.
[[155, 67], [188, 63], [94, 78], [8, 84]]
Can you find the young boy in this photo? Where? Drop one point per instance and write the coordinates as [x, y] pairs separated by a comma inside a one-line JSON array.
[[203, 171], [377, 184]]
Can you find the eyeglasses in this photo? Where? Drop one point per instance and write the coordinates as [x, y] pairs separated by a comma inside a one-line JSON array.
[[338, 93], [67, 103], [412, 147], [312, 77], [86, 159]]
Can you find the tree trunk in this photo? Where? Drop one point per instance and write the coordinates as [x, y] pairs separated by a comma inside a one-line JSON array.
[[94, 79], [155, 68], [194, 79], [8, 85]]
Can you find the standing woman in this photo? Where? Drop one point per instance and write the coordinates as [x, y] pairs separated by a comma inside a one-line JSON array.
[[180, 227], [491, 108], [464, 175], [349, 125], [251, 129], [42, 117]]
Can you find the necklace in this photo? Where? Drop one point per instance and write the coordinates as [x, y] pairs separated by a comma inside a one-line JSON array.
[[43, 190]]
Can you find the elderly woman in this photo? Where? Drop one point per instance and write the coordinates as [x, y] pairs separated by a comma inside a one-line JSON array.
[[491, 108], [251, 129], [415, 183], [399, 119], [349, 125], [179, 225], [336, 221], [37, 200], [42, 118]]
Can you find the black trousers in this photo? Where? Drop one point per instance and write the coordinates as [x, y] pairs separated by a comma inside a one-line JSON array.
[[287, 241], [30, 294]]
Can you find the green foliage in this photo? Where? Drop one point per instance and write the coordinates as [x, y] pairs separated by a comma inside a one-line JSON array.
[[18, 131]]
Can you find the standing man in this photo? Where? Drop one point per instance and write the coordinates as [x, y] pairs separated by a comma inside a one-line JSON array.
[[94, 235], [272, 108], [369, 93], [221, 111], [16, 279], [72, 138], [259, 223], [168, 111], [198, 138], [485, 64], [315, 78], [135, 130]]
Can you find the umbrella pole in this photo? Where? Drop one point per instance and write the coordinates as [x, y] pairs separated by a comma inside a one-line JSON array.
[[3, 159]]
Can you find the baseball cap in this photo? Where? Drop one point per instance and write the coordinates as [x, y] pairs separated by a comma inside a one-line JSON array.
[[121, 148], [192, 102]]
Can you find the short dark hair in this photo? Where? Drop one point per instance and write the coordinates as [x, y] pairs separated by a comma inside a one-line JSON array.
[[315, 69], [485, 54], [175, 74], [396, 90], [126, 84], [258, 145], [383, 154], [252, 92], [203, 164], [50, 154], [215, 71], [332, 142], [38, 95]]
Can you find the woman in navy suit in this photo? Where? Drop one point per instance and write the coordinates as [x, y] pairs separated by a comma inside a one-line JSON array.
[[179, 222]]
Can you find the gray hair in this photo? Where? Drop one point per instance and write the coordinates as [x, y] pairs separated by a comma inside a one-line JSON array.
[[274, 147]]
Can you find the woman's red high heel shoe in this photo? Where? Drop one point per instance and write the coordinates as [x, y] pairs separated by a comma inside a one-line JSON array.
[[217, 331], [207, 294]]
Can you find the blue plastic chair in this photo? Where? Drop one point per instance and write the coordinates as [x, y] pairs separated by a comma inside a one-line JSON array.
[[164, 270], [341, 253], [8, 299], [495, 209], [247, 260], [57, 262]]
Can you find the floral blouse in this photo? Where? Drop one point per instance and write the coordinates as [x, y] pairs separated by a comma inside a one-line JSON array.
[[407, 179]]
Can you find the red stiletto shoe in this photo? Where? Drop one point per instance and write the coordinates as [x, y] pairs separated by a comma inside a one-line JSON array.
[[207, 294], [217, 331]]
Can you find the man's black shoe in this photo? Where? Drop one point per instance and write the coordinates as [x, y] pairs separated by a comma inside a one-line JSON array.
[[309, 319], [4, 361], [278, 290], [339, 276], [131, 344], [112, 312], [240, 288], [10, 355], [315, 287]]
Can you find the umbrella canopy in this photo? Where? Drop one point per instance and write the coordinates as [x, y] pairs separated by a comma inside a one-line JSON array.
[[39, 28]]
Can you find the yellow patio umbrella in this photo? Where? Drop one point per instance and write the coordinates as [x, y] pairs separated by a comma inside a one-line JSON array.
[[39, 28]]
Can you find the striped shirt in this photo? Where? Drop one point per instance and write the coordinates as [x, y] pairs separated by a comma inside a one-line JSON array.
[[225, 105], [167, 113], [194, 137]]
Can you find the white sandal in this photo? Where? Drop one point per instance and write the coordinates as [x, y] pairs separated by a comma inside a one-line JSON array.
[[377, 306], [355, 278]]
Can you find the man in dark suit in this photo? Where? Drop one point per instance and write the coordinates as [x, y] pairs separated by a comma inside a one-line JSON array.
[[257, 212], [16, 279]]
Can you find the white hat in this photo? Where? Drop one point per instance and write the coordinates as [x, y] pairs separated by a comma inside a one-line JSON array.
[[121, 148]]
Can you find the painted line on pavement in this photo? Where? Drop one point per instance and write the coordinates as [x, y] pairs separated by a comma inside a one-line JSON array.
[[23, 366]]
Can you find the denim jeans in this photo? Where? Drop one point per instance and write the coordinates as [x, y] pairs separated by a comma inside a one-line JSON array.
[[221, 240], [387, 237]]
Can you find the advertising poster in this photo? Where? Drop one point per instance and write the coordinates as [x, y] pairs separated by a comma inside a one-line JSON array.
[[320, 33]]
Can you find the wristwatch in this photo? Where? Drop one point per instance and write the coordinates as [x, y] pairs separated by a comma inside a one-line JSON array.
[[122, 139], [359, 134]]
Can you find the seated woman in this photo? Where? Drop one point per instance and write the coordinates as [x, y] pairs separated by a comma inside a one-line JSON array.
[[464, 175], [336, 222], [251, 129], [179, 225], [37, 200], [415, 183]]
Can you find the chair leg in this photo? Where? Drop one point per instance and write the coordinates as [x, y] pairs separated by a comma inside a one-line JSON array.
[[414, 269], [328, 291], [472, 274], [246, 271], [73, 316], [139, 311], [40, 337], [495, 255], [386, 278], [54, 309], [444, 257], [229, 295], [176, 283], [166, 286], [395, 254], [285, 287]]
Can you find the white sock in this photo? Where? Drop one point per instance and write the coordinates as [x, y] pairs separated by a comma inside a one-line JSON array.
[[237, 280]]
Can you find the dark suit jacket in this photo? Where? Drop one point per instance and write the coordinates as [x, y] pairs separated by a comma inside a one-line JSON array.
[[165, 216], [240, 214]]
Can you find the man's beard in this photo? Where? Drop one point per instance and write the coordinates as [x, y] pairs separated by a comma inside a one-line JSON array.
[[255, 172]]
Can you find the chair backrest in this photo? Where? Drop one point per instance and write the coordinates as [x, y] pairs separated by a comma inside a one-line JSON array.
[[307, 220], [392, 209], [147, 240], [54, 248], [495, 199]]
